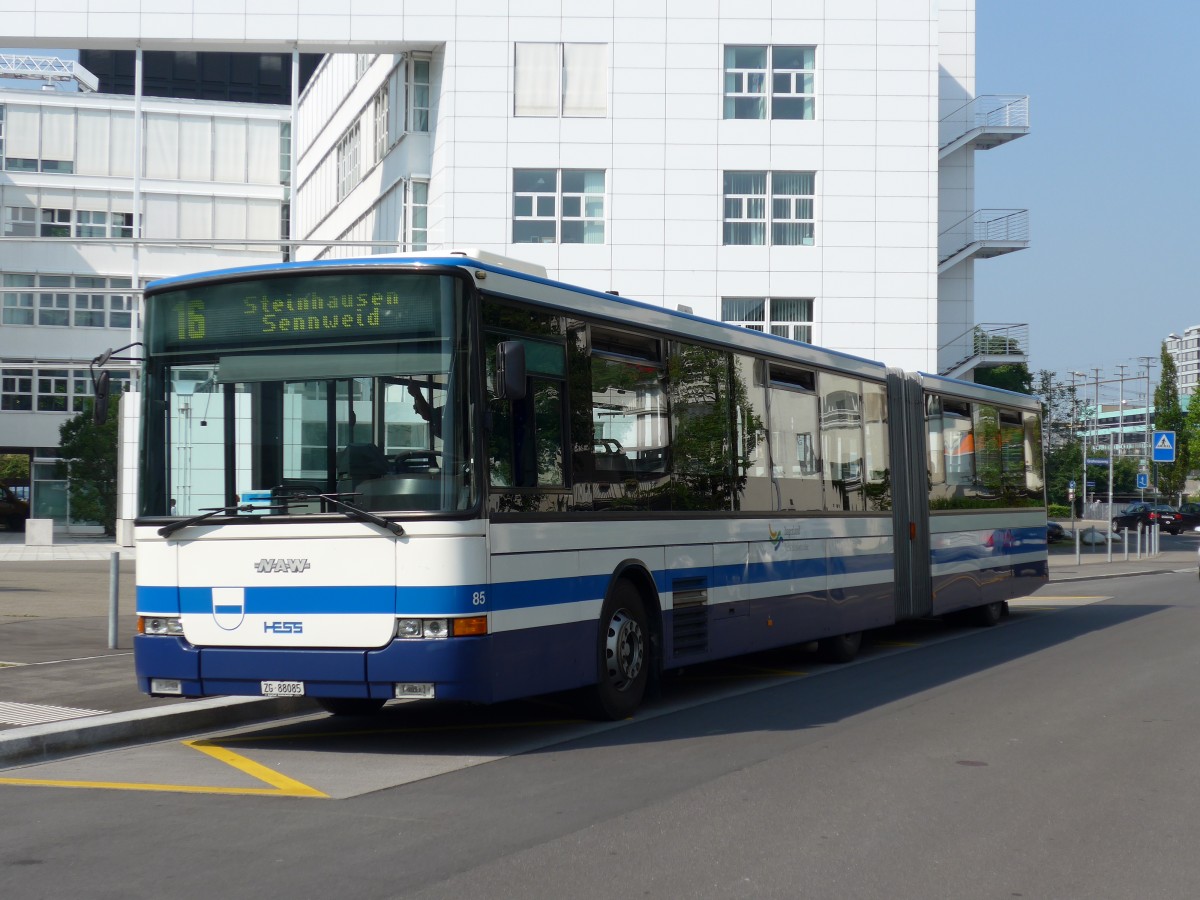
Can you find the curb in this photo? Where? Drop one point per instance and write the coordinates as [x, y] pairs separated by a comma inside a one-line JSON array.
[[1102, 575], [54, 740]]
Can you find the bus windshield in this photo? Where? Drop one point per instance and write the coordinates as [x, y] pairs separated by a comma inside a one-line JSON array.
[[272, 391]]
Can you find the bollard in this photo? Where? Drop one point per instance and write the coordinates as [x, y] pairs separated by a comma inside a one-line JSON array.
[[114, 580], [1125, 541], [1077, 533], [1108, 541]]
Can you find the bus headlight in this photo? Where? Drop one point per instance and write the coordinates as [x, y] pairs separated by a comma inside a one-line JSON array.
[[437, 629], [159, 625]]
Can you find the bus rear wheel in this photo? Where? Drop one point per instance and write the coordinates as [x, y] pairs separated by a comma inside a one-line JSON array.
[[987, 615], [841, 648], [350, 706], [623, 655]]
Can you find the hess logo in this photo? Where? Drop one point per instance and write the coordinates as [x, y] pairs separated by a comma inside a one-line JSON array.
[[283, 627]]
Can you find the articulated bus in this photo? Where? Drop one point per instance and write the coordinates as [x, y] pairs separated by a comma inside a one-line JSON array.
[[448, 477]]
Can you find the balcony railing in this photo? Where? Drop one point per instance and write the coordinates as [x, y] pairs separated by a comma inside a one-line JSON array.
[[986, 232], [985, 122], [987, 343]]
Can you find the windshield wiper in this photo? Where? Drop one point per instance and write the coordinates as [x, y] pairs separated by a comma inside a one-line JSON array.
[[352, 511], [168, 530]]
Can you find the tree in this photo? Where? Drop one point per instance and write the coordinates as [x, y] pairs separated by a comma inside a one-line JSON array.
[[1191, 430], [14, 467], [1168, 416], [89, 454], [1011, 377]]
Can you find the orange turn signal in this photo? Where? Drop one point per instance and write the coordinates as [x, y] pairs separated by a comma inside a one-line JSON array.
[[470, 626]]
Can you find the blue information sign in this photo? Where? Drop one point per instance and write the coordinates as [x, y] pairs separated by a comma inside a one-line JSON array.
[[1143, 481], [1163, 448]]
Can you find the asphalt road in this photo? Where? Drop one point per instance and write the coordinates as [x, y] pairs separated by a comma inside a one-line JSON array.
[[1052, 756]]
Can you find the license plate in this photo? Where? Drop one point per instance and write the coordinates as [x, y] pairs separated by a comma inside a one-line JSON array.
[[283, 688]]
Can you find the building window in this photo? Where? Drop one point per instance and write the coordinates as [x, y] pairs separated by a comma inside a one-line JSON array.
[[418, 215], [544, 214], [54, 308], [122, 225], [789, 72], [285, 152], [91, 223], [1, 135], [582, 206], [791, 208], [380, 111], [52, 390], [90, 308], [17, 306], [560, 80], [16, 389], [789, 317], [362, 62], [348, 162], [85, 301], [20, 221], [418, 94], [56, 223]]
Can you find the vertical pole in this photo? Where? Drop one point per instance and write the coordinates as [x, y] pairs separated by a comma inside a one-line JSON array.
[[1125, 541], [290, 194], [114, 581], [135, 265]]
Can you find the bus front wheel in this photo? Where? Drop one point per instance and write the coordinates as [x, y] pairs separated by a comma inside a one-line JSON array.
[[623, 655]]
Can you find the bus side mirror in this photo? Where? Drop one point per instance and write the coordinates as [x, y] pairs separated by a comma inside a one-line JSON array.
[[100, 407], [510, 370]]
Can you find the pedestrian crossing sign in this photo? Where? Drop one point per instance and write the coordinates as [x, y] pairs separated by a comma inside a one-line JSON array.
[[1163, 449]]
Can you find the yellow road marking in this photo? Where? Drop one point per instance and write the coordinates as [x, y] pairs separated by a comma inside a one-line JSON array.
[[281, 785]]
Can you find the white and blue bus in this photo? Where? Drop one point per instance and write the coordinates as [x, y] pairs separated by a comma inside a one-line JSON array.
[[447, 477]]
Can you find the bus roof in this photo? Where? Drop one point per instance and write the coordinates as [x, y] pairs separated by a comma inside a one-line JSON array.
[[503, 279]]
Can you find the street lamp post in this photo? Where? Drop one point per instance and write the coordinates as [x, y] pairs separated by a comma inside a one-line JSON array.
[[1083, 448]]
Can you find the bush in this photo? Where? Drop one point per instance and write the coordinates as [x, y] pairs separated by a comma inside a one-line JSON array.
[[1058, 511]]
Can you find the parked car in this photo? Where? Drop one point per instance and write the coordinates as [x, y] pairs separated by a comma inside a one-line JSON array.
[[13, 510], [1055, 533], [1189, 516], [1147, 514]]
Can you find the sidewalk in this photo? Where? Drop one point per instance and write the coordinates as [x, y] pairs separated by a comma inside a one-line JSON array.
[[63, 690]]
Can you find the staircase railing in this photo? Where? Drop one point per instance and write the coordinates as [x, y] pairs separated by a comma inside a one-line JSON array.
[[988, 111]]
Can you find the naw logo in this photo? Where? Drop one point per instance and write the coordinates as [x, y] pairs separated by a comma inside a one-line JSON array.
[[271, 566]]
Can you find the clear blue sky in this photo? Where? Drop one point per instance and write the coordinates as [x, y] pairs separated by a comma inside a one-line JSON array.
[[1108, 172]]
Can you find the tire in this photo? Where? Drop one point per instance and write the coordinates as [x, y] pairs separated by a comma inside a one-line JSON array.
[[841, 648], [1116, 527], [350, 706], [622, 655], [987, 615]]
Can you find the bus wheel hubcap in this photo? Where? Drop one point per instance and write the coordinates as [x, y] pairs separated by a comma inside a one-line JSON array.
[[623, 650]]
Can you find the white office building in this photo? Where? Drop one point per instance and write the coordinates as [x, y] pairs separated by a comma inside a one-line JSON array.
[[1185, 351], [70, 265], [808, 171]]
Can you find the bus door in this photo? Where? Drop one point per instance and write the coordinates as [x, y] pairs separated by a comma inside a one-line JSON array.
[[910, 492]]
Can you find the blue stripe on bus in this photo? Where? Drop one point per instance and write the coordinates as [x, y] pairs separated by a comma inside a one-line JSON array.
[[458, 599]]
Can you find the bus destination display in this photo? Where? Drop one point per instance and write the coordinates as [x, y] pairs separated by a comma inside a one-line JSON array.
[[293, 310]]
